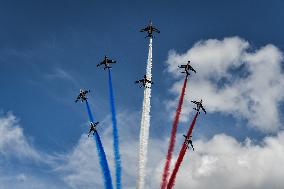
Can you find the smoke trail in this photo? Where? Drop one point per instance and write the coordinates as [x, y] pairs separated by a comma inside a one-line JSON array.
[[115, 134], [173, 137], [145, 123], [103, 162], [101, 153], [89, 112], [181, 155]]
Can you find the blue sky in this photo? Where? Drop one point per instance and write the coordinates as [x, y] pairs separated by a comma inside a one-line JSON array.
[[50, 49]]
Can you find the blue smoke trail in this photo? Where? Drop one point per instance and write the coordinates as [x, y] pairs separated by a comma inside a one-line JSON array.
[[101, 153], [89, 112], [103, 162], [115, 134]]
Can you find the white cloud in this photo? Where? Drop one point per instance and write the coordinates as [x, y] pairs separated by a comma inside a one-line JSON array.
[[226, 162], [18, 157], [24, 181], [233, 79], [219, 161], [59, 73], [81, 168], [12, 140]]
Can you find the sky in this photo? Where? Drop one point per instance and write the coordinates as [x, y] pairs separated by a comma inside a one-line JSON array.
[[50, 49]]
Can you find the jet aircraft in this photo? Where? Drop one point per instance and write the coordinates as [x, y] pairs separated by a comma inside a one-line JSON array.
[[150, 29], [106, 62], [188, 142], [93, 128], [198, 106], [82, 95], [187, 67], [144, 81]]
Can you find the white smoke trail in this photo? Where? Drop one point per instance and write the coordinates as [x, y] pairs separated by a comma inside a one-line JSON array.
[[145, 122]]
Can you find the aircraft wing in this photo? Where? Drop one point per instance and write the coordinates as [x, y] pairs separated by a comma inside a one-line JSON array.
[[192, 69], [101, 63], [111, 61], [148, 81], [156, 30], [144, 29], [203, 109], [193, 101], [138, 81], [87, 91], [78, 98]]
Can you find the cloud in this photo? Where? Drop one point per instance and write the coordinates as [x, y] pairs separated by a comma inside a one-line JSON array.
[[59, 73], [223, 160], [81, 168], [12, 140], [21, 165], [219, 160], [24, 181], [232, 78]]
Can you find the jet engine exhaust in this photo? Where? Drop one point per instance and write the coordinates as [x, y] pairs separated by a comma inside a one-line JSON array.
[[115, 134], [181, 155], [145, 123], [173, 137], [101, 153]]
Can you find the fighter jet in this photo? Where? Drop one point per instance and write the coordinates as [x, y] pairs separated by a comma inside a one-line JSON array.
[[144, 82], [106, 62], [187, 67], [93, 128], [198, 106], [150, 29], [188, 142], [82, 95]]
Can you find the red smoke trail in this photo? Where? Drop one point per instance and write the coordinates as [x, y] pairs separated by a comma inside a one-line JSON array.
[[173, 137], [181, 155]]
